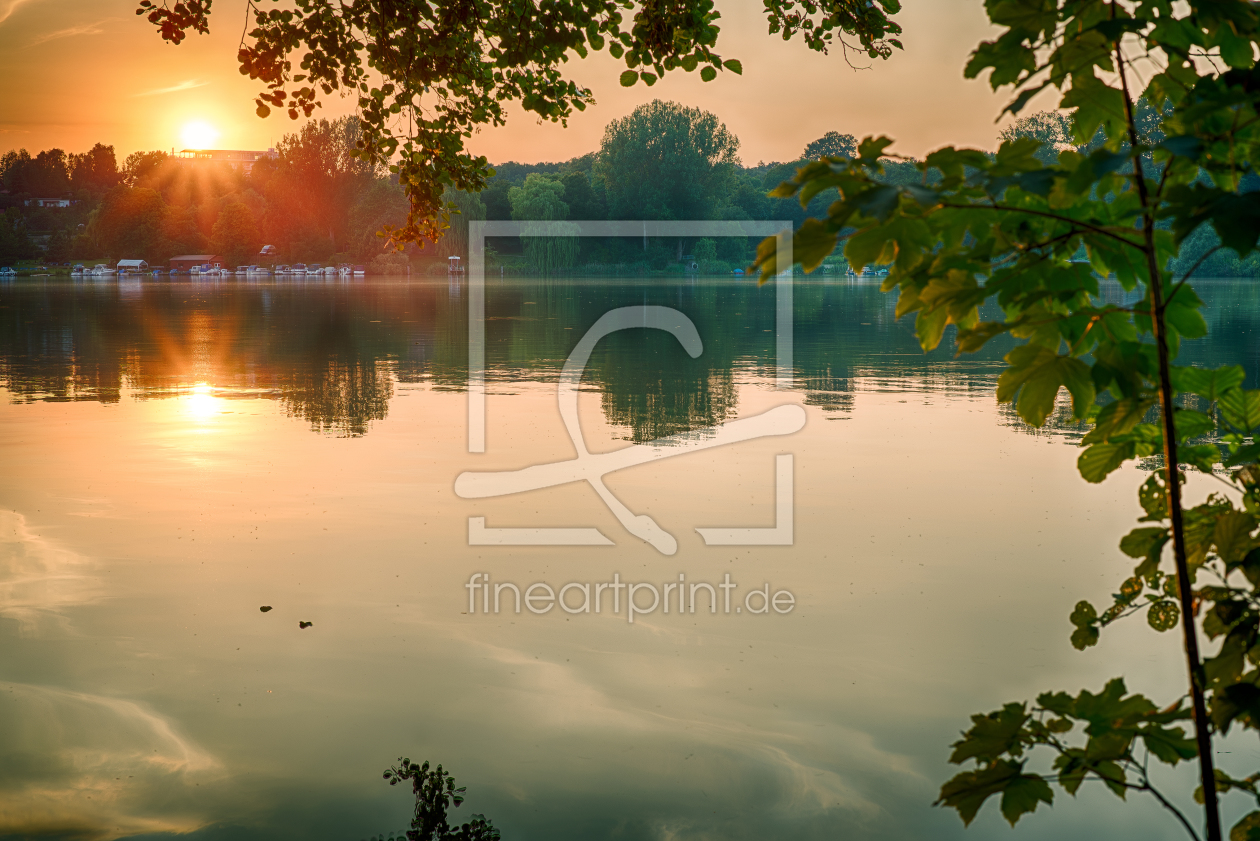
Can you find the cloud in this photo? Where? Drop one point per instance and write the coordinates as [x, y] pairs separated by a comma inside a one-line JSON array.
[[8, 7], [186, 85], [39, 578], [81, 29], [95, 767]]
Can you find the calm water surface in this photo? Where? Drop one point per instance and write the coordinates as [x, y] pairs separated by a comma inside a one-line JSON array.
[[177, 455]]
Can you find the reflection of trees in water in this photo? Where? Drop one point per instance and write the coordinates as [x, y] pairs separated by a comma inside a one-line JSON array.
[[671, 404], [39, 359], [339, 396], [318, 350], [331, 353]]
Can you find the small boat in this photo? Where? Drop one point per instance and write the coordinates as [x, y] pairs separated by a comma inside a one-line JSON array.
[[360, 271]]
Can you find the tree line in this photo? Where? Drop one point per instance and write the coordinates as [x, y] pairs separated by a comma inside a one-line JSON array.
[[315, 201], [312, 200]]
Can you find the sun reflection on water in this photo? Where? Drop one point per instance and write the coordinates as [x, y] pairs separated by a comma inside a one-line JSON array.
[[202, 402]]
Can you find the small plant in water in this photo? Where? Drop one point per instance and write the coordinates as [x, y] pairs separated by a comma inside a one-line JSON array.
[[435, 793]]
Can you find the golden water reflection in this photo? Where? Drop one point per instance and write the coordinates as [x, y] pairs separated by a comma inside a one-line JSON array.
[[162, 482]]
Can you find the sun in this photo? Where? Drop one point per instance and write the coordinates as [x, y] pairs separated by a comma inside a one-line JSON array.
[[198, 135]]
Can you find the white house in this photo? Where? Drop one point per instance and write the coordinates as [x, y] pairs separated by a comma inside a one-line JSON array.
[[49, 202]]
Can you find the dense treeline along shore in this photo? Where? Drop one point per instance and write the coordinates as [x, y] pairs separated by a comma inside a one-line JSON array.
[[312, 201]]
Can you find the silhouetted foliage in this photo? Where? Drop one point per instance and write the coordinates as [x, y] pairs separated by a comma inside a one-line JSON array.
[[450, 67], [15, 243], [435, 793]]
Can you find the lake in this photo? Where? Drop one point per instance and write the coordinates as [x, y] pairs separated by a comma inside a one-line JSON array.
[[179, 455]]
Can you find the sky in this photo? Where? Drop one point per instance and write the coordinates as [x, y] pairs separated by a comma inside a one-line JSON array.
[[79, 72]]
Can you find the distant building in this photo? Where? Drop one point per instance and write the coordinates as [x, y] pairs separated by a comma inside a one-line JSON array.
[[133, 266], [186, 262], [243, 158], [49, 202]]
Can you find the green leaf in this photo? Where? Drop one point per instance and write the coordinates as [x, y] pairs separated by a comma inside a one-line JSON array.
[[925, 196], [1098, 461], [1097, 105], [1169, 744], [1072, 769], [1202, 456], [1241, 408], [1247, 829], [1022, 795], [1144, 542], [708, 74], [970, 341], [628, 78], [1209, 384], [1153, 497], [929, 327], [1034, 378], [991, 735], [1113, 29], [812, 244], [1084, 613], [1233, 702], [1117, 418], [1251, 567], [872, 148], [967, 791], [1084, 637], [1085, 618], [1187, 319], [1163, 616], [1186, 146], [1113, 776], [1192, 424], [1232, 536], [734, 66]]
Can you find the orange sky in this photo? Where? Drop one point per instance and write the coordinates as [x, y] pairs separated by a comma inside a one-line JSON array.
[[80, 71]]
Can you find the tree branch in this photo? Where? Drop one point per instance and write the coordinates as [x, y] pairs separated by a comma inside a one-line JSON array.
[[1047, 215], [1193, 269], [1146, 786]]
